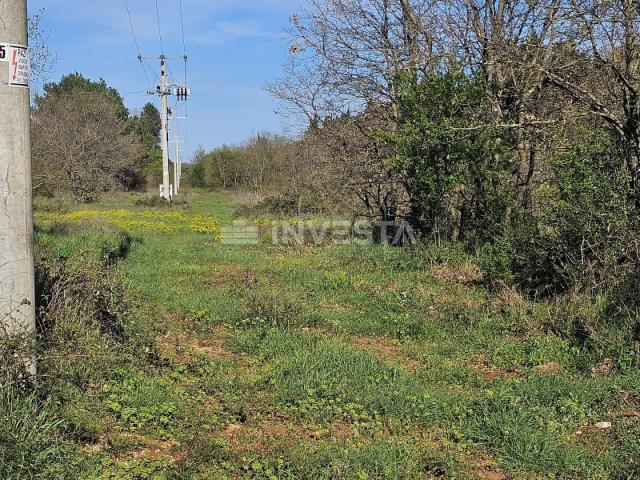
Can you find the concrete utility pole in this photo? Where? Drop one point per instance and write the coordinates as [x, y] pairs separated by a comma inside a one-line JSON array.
[[176, 161], [164, 92], [17, 290], [177, 166]]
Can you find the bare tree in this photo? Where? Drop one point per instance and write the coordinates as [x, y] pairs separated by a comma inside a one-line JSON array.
[[505, 41], [42, 59], [346, 54], [606, 37], [81, 145], [341, 75]]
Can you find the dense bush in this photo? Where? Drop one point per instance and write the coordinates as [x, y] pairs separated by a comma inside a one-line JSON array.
[[456, 183]]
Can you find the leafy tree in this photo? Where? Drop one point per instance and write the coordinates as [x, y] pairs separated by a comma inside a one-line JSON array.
[[147, 126], [76, 84], [195, 171], [452, 171]]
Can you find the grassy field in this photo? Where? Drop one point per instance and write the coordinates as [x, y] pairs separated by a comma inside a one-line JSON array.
[[331, 362]]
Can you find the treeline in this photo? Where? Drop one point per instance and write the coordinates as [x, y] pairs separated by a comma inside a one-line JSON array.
[[260, 163], [296, 176], [85, 142]]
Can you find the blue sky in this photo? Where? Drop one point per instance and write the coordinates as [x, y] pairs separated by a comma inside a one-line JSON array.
[[234, 48]]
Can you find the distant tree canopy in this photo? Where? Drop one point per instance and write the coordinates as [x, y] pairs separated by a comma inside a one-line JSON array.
[[257, 164], [147, 125], [76, 83]]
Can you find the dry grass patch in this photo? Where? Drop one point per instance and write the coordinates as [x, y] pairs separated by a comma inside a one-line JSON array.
[[337, 308], [450, 296], [548, 368], [387, 349], [487, 468], [375, 288], [168, 449], [491, 373], [226, 275], [269, 435], [129, 445], [179, 348], [467, 274]]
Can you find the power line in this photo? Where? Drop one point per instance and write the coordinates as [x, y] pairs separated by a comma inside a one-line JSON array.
[[167, 83], [159, 29], [133, 31], [135, 40], [184, 44], [151, 70], [184, 53], [171, 75]]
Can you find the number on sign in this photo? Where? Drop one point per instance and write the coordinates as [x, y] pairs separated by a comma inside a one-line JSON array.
[[3, 52]]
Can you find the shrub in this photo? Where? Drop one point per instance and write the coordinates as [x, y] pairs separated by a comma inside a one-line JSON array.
[[154, 201], [456, 182], [584, 233]]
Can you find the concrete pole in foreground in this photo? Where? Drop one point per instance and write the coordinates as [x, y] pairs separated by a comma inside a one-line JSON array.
[[17, 284]]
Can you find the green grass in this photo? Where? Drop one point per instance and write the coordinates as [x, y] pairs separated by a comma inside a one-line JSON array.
[[30, 445], [345, 362]]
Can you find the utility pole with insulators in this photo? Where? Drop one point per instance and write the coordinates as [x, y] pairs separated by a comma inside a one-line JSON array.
[[164, 92], [182, 93], [17, 284]]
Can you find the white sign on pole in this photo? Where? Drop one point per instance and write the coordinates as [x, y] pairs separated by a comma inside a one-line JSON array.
[[19, 66]]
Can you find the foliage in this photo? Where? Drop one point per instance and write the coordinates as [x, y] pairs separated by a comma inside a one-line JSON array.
[[584, 236], [31, 440], [453, 175], [147, 125], [78, 84], [141, 402], [82, 332], [590, 223]]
